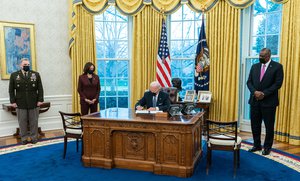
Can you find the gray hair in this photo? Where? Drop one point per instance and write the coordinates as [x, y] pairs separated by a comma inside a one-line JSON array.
[[155, 84], [24, 59], [267, 50]]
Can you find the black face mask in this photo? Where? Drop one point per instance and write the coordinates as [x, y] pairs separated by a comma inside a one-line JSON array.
[[154, 94], [262, 60], [90, 71], [26, 68]]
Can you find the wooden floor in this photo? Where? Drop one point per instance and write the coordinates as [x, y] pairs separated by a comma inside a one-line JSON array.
[[292, 149]]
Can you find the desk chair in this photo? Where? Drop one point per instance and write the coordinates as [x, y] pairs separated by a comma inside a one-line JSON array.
[[72, 125], [223, 136]]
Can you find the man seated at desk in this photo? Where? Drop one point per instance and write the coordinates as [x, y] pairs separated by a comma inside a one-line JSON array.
[[154, 100]]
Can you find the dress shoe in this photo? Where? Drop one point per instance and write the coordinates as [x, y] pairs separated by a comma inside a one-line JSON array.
[[34, 141], [266, 151], [25, 142], [253, 149]]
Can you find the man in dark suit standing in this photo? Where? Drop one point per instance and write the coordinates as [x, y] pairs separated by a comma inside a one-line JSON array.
[[154, 100], [265, 79], [26, 95]]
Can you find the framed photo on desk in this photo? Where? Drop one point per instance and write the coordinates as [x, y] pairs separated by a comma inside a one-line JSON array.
[[189, 96], [204, 96]]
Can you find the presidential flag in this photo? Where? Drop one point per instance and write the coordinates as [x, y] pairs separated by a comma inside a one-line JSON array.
[[202, 62], [163, 63]]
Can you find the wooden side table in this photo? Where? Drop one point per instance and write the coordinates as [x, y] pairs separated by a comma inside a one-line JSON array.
[[205, 107], [43, 108]]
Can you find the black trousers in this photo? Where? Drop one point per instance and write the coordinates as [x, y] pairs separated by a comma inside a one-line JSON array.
[[85, 108], [257, 115]]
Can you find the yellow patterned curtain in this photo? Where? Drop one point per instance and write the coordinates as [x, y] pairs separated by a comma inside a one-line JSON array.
[[82, 49], [223, 30], [133, 7], [288, 115], [146, 34]]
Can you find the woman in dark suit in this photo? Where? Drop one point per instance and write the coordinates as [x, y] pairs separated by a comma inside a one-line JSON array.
[[89, 89]]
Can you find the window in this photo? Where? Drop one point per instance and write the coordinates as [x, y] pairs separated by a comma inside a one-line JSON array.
[[112, 46], [263, 19], [185, 29]]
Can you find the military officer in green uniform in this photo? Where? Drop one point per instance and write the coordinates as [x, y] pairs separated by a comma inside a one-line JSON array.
[[26, 95]]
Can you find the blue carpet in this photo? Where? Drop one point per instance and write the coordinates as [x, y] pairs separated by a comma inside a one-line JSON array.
[[46, 163]]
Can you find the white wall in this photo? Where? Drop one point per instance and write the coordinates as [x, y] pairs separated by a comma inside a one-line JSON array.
[[50, 18]]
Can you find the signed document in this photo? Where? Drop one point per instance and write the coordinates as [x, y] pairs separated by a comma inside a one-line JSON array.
[[147, 112]]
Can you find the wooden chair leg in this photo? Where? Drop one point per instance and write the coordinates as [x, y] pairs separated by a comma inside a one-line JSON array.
[[82, 147], [208, 160], [238, 157], [235, 161], [77, 144], [65, 146]]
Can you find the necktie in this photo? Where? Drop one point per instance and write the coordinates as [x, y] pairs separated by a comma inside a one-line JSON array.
[[262, 72], [154, 101], [26, 75]]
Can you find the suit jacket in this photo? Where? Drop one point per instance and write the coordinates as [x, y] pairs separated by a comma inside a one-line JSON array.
[[26, 92], [88, 90], [269, 85], [162, 102]]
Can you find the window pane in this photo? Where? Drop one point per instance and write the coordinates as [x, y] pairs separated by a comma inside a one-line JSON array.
[[273, 7], [121, 49], [257, 44], [176, 68], [111, 102], [101, 71], [100, 49], [103, 87], [111, 69], [110, 51], [259, 24], [188, 14], [176, 33], [188, 31], [123, 102], [176, 48], [110, 85], [177, 15], [189, 48], [109, 14], [122, 87], [122, 31], [188, 68], [102, 103], [260, 6], [120, 17], [122, 68], [272, 43], [272, 23]]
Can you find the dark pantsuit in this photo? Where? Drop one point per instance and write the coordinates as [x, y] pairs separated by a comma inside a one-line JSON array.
[[86, 107]]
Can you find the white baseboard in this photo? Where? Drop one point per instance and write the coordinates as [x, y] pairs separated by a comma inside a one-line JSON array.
[[49, 120]]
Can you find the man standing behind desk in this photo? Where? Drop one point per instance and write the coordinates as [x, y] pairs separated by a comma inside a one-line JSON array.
[[26, 95], [154, 100], [265, 79]]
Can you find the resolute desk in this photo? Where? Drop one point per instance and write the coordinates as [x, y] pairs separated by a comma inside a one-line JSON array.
[[117, 137]]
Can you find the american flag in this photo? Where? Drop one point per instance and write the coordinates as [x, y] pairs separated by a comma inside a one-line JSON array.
[[163, 63], [202, 62]]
